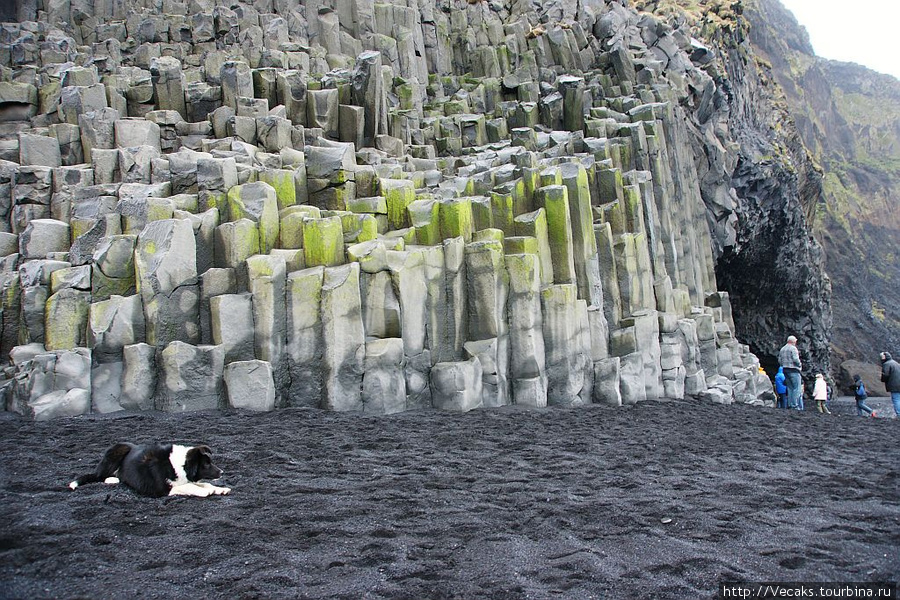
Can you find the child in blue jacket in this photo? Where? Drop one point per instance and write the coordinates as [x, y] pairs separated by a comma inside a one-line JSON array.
[[860, 392], [780, 388]]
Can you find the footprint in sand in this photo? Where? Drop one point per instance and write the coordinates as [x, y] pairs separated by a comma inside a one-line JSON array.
[[793, 562]]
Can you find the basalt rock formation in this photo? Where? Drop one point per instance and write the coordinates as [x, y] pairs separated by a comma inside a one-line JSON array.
[[763, 186], [388, 206]]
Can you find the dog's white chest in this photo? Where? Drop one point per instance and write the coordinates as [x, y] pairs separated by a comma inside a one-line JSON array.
[[178, 458]]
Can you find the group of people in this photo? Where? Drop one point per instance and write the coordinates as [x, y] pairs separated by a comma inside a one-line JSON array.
[[789, 384]]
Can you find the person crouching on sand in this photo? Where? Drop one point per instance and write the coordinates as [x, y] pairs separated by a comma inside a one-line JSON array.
[[860, 393], [820, 394]]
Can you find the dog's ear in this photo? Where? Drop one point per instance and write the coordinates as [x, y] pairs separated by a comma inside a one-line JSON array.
[[203, 449]]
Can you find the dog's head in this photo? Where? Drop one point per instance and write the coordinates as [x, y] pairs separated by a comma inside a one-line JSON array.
[[198, 464]]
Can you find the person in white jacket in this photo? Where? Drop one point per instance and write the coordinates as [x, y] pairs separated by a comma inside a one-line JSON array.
[[820, 394]]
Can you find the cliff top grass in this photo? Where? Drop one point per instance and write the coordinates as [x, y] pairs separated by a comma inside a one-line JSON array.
[[710, 20], [713, 11]]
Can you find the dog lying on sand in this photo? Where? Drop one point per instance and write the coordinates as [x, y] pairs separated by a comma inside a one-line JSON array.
[[158, 470]]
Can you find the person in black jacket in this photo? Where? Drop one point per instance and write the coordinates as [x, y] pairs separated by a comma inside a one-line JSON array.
[[890, 375]]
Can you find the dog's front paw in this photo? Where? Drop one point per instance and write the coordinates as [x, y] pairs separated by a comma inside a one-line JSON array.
[[111, 480], [221, 491]]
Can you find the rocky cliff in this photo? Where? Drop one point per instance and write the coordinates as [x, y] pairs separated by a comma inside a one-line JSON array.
[[389, 206], [762, 186], [849, 118]]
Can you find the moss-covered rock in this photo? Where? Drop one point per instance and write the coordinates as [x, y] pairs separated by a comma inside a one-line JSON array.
[[456, 218], [235, 242], [551, 176], [503, 211], [159, 209], [521, 244], [398, 239], [323, 242], [482, 215], [282, 180], [425, 217], [555, 201], [258, 202], [398, 194], [66, 319], [534, 224], [374, 205], [358, 227], [488, 235]]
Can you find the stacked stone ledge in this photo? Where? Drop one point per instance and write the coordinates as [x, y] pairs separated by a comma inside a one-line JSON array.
[[359, 207]]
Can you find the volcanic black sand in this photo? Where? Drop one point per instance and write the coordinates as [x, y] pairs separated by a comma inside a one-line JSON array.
[[657, 500]]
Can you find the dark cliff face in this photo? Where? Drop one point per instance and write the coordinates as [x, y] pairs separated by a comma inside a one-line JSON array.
[[775, 271], [761, 188], [849, 118], [8, 10]]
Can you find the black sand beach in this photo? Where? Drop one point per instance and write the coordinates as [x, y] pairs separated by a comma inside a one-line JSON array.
[[658, 500]]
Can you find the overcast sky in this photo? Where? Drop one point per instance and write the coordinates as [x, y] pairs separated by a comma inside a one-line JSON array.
[[866, 32]]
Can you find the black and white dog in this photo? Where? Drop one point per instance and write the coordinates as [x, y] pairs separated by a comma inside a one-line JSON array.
[[158, 470]]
